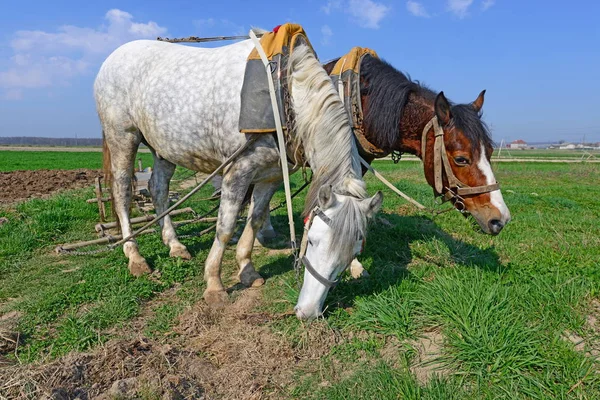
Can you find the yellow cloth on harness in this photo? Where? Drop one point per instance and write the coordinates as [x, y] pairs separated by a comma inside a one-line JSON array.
[[273, 43], [351, 61]]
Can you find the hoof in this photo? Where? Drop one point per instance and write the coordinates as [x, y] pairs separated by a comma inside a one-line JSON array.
[[180, 252], [265, 237], [359, 274], [357, 270], [249, 277], [268, 234], [139, 267], [216, 298]]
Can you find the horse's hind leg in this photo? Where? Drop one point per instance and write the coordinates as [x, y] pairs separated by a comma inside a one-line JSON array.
[[123, 146], [259, 210], [162, 173]]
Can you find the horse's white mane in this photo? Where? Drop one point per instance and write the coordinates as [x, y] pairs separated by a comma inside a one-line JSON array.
[[323, 128]]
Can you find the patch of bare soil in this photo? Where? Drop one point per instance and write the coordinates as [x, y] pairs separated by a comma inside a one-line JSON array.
[[426, 363], [230, 353], [22, 185], [589, 343], [9, 336]]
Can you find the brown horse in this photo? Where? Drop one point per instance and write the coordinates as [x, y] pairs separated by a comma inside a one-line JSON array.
[[453, 142]]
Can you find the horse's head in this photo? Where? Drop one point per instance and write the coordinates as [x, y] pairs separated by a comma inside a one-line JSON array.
[[335, 234], [457, 149]]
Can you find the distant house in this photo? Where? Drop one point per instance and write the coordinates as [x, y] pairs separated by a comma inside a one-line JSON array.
[[567, 146], [518, 144]]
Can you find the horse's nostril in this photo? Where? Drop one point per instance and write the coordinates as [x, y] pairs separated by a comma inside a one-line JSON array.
[[495, 226]]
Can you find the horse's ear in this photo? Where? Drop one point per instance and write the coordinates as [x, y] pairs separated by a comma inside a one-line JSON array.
[[373, 204], [326, 197], [442, 109], [478, 103]]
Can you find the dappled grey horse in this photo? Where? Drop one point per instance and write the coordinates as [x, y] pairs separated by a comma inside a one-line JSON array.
[[184, 104]]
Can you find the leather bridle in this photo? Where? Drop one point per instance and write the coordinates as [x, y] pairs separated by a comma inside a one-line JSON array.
[[455, 189], [317, 212]]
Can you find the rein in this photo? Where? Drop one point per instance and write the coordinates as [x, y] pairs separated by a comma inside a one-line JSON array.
[[456, 189]]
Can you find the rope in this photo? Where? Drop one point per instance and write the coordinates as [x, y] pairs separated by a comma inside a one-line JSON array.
[[280, 139], [190, 194], [394, 188]]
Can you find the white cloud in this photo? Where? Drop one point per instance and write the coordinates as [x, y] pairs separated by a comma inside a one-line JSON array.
[[487, 4], [332, 5], [366, 13], [43, 59], [417, 9], [327, 34], [459, 7]]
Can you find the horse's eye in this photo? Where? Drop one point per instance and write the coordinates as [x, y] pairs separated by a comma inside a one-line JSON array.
[[461, 161]]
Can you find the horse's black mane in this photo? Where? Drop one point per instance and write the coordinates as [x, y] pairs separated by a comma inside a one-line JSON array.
[[388, 91]]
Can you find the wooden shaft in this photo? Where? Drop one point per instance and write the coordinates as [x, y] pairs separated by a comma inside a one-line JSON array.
[[103, 240], [137, 220], [92, 201]]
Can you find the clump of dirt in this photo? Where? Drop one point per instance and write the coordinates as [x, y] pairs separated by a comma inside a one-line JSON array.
[[249, 361], [228, 353], [22, 185], [9, 336], [119, 369]]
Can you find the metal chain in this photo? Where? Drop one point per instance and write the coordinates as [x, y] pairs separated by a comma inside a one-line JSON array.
[[396, 156], [85, 253]]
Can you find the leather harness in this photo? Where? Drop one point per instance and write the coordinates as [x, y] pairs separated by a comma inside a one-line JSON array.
[[455, 189], [316, 212]]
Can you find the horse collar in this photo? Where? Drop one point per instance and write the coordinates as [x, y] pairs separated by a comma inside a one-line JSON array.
[[456, 188]]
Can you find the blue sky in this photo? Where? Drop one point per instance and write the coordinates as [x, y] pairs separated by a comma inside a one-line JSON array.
[[538, 60]]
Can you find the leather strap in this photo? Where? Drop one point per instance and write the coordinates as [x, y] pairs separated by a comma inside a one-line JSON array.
[[324, 281], [441, 163]]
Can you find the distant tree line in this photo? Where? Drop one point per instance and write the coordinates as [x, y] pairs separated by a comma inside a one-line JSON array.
[[45, 141]]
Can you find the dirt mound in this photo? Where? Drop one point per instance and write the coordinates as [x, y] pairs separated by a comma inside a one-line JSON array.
[[21, 185], [229, 353], [120, 369]]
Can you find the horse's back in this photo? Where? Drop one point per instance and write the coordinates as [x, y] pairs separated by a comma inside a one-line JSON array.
[[147, 62], [184, 100]]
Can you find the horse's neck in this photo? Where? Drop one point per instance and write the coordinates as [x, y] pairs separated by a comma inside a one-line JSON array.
[[416, 114]]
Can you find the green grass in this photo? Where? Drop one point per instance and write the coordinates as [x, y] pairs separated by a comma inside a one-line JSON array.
[[546, 153], [28, 160], [502, 304]]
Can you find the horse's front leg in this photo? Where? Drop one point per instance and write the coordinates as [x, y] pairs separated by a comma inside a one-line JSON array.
[[235, 185], [266, 231], [259, 210]]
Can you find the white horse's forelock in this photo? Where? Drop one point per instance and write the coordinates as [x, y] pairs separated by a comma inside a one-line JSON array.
[[323, 128]]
